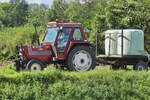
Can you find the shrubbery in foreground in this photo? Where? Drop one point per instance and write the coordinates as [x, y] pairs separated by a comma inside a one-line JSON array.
[[55, 84]]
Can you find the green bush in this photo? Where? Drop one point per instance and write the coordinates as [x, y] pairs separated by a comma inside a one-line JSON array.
[[59, 85], [11, 37]]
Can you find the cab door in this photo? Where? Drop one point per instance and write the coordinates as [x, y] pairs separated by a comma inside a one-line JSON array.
[[63, 42]]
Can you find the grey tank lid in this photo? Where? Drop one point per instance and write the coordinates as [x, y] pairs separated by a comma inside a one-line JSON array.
[[119, 31]]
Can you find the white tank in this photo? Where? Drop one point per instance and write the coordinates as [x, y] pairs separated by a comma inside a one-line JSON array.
[[133, 42], [111, 42]]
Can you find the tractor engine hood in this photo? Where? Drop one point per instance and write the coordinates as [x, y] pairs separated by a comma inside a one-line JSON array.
[[42, 52]]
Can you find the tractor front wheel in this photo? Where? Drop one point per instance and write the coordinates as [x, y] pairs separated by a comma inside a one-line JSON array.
[[35, 65], [81, 58]]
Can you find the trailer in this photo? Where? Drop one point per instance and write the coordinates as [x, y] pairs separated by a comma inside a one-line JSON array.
[[125, 47]]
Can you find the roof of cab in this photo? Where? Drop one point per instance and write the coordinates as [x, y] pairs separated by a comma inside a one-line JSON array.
[[58, 24]]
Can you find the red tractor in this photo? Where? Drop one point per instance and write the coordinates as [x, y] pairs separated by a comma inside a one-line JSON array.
[[64, 44]]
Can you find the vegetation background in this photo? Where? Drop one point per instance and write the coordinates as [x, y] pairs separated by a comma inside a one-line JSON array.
[[17, 18], [16, 27]]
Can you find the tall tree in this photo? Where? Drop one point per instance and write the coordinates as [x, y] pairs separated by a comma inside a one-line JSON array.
[[2, 16], [37, 14], [16, 13], [117, 14], [57, 10], [82, 11]]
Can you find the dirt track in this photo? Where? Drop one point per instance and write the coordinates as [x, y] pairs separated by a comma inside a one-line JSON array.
[[4, 62]]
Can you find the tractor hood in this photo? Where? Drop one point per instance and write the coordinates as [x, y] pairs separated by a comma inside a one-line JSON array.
[[42, 52]]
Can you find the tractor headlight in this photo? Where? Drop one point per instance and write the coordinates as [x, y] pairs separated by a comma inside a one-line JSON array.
[[20, 54], [20, 50]]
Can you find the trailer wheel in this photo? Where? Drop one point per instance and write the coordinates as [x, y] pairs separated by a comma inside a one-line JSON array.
[[124, 67], [81, 58], [114, 67], [141, 66], [35, 65]]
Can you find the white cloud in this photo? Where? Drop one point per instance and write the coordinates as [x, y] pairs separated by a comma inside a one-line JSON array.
[[47, 2], [4, 0]]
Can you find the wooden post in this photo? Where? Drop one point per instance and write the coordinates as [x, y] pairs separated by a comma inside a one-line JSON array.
[[96, 44], [122, 43], [109, 44]]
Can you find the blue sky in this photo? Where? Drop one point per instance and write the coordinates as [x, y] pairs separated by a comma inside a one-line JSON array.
[[47, 2]]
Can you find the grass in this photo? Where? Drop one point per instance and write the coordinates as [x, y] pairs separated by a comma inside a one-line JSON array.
[[53, 84]]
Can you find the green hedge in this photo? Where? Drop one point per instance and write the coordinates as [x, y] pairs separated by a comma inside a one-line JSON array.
[[52, 84]]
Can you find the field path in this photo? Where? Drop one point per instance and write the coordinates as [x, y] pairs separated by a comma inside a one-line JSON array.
[[5, 62]]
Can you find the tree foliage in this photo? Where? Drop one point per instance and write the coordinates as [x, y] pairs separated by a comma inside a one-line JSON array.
[[15, 13], [121, 14], [95, 15], [57, 10]]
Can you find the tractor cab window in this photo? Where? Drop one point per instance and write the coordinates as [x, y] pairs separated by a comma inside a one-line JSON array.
[[77, 34], [63, 39], [51, 34]]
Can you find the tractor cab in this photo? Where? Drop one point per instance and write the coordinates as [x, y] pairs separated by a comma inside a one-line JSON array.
[[64, 44], [62, 36]]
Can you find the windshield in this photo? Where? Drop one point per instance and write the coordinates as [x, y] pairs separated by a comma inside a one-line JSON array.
[[50, 34]]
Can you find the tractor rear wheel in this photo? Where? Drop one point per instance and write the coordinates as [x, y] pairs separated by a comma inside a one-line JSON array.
[[81, 58], [35, 65]]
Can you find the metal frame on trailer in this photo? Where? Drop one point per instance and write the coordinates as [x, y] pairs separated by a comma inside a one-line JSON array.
[[121, 60]]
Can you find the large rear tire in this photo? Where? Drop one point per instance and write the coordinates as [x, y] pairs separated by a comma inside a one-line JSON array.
[[81, 58]]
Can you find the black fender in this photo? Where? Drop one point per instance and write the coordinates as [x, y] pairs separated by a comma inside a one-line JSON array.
[[35, 60]]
